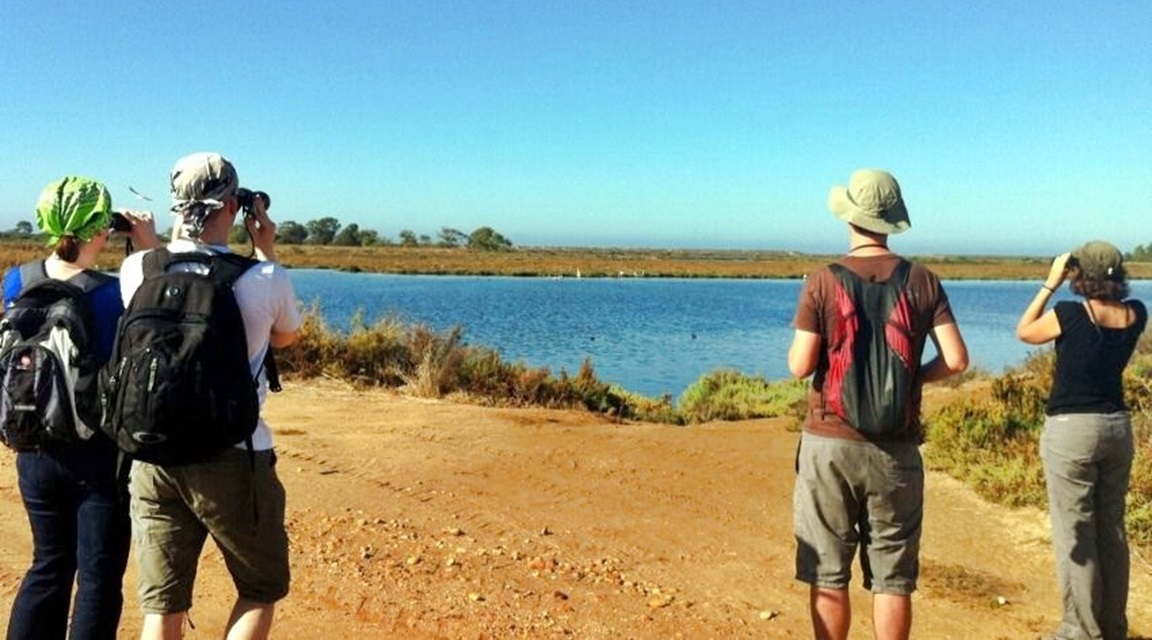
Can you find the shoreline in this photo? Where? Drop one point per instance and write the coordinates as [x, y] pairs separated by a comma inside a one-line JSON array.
[[588, 262]]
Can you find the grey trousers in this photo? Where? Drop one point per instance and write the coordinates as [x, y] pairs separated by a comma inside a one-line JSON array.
[[1087, 462]]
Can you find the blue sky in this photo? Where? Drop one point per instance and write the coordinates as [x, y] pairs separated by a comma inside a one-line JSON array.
[[1015, 128]]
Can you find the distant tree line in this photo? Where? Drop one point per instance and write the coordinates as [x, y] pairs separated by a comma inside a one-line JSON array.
[[1142, 253], [329, 231]]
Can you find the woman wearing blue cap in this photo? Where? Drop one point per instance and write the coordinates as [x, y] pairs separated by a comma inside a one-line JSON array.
[[1086, 444], [77, 509]]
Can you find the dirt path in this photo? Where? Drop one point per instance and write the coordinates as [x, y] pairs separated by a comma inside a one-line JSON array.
[[432, 520]]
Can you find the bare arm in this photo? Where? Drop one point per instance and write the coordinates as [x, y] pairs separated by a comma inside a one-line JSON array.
[[804, 354], [1036, 326], [952, 353]]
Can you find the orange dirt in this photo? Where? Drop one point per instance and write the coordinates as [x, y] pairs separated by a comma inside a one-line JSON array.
[[426, 519]]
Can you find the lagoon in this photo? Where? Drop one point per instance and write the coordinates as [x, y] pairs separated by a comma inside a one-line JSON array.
[[649, 335]]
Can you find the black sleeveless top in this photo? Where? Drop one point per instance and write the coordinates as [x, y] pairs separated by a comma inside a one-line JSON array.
[[1090, 360]]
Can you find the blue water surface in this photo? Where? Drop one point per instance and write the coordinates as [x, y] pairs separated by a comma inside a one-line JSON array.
[[649, 335]]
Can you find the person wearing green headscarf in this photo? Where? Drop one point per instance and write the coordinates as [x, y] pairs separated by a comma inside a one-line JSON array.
[[77, 510], [74, 207]]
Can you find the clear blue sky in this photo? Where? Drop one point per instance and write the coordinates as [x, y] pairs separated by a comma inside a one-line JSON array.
[[1016, 128]]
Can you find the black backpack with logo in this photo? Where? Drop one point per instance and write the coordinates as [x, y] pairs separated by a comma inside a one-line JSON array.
[[872, 361], [48, 362], [178, 389]]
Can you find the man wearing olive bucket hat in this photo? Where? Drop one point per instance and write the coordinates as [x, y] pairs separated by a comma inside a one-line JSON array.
[[860, 479]]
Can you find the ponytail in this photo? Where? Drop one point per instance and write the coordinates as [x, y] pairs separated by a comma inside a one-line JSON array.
[[68, 249]]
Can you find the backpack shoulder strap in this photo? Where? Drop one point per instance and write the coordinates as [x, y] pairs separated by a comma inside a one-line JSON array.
[[90, 280], [901, 273], [35, 272], [155, 262], [223, 268], [841, 272], [32, 273], [226, 268]]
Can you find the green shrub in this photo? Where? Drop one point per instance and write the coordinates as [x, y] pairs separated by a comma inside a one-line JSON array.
[[433, 364], [993, 442], [731, 395]]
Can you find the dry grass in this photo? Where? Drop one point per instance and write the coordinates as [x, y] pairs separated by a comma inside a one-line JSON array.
[[544, 261]]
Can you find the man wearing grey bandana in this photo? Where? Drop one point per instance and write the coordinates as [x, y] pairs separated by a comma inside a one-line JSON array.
[[235, 498]]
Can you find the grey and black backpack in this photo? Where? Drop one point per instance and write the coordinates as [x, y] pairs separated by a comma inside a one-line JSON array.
[[178, 388], [49, 368]]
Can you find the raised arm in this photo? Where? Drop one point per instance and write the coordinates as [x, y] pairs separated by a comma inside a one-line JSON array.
[[1036, 326]]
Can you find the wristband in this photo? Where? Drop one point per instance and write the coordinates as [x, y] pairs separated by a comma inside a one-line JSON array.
[[1047, 288]]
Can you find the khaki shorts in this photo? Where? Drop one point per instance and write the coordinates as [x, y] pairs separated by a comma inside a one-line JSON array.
[[175, 509], [853, 494]]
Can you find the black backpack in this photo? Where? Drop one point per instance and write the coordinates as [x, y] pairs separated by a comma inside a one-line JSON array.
[[178, 389], [48, 361], [872, 361]]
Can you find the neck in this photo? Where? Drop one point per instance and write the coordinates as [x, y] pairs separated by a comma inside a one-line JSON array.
[[868, 245]]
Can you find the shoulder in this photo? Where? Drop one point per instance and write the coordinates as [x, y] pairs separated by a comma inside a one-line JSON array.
[[921, 272], [265, 284], [133, 263], [272, 274], [819, 280], [1141, 311], [1068, 312]]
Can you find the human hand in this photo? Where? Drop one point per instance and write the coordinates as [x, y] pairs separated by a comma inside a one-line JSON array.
[[1058, 271], [261, 229], [142, 229]]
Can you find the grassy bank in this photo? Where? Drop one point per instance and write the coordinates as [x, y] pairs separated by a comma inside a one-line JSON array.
[[394, 354], [991, 438], [589, 262]]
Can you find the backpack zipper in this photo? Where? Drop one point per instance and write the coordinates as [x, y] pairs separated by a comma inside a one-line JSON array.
[[153, 364]]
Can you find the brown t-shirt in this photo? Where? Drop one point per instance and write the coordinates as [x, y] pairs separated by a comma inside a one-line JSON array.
[[816, 313]]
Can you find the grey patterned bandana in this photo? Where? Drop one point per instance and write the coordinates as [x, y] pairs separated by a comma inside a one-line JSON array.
[[201, 182]]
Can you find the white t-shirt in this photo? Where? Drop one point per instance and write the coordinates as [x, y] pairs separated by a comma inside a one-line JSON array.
[[267, 302]]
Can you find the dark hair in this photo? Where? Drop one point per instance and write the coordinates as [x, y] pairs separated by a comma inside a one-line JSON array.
[[1114, 287], [68, 249]]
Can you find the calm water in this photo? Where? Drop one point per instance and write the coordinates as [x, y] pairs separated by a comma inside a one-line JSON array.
[[651, 336]]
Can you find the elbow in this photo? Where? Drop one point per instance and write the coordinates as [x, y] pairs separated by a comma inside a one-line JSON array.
[[958, 363], [281, 339], [1028, 337], [801, 367], [960, 366]]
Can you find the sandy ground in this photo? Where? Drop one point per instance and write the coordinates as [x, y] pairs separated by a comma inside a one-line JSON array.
[[418, 519]]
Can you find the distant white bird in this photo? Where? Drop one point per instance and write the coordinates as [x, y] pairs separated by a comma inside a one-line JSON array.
[[139, 195]]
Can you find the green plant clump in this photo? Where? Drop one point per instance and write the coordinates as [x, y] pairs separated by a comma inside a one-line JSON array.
[[427, 363], [993, 442], [731, 395]]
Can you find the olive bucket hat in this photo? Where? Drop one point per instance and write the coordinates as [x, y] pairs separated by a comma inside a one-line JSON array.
[[871, 201], [1100, 260], [73, 206]]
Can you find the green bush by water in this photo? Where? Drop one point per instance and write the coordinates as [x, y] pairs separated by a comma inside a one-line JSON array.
[[992, 441], [391, 353]]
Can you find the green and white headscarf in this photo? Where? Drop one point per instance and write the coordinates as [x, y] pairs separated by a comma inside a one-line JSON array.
[[73, 206]]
